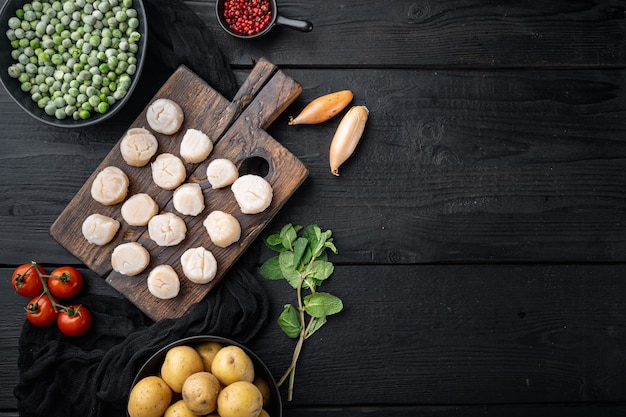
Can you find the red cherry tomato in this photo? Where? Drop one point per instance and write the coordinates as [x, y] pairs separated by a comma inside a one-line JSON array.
[[40, 311], [65, 282], [26, 281], [75, 320]]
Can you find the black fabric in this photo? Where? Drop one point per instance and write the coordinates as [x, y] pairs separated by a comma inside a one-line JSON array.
[[91, 375], [176, 35]]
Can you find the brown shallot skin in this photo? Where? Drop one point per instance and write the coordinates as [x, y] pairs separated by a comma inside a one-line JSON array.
[[323, 108], [347, 137]]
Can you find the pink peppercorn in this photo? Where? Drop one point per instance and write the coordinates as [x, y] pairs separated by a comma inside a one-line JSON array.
[[247, 17]]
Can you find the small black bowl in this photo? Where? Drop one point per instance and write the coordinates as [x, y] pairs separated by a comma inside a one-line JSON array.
[[24, 100], [276, 20], [153, 365]]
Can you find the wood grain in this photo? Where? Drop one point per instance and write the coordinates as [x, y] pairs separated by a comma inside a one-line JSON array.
[[455, 335], [480, 224], [236, 130], [460, 334], [435, 34], [496, 167]]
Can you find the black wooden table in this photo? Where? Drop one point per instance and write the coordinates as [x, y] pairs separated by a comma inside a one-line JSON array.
[[481, 223]]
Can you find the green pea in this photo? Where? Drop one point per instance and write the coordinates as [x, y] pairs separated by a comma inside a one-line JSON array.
[[60, 114]]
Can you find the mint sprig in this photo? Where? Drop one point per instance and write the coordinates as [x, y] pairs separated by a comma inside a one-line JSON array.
[[302, 261]]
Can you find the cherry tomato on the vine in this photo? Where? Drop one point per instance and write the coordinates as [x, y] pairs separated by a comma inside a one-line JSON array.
[[40, 311], [74, 320], [26, 281], [65, 282]]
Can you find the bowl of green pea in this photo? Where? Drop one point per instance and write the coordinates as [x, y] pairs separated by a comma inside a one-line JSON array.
[[72, 63]]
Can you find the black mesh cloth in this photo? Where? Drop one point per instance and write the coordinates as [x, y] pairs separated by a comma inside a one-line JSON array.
[[176, 35], [91, 375]]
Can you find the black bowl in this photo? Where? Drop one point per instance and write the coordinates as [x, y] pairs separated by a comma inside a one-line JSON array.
[[153, 365], [23, 99]]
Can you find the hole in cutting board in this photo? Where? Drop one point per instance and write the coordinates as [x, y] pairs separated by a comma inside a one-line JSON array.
[[254, 165]]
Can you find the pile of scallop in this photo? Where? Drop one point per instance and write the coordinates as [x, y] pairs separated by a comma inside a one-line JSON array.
[[110, 187]]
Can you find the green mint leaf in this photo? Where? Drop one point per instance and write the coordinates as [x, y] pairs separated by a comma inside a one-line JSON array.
[[288, 269], [271, 269], [288, 235], [299, 250], [274, 242], [330, 245], [321, 304], [319, 269], [315, 326], [313, 234], [310, 283], [289, 321]]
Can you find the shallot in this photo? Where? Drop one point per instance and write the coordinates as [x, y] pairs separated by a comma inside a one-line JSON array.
[[347, 137], [323, 108]]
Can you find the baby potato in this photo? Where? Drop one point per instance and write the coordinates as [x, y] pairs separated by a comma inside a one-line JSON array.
[[180, 362], [200, 392], [207, 351], [179, 409], [150, 397], [232, 364], [264, 388], [240, 399]]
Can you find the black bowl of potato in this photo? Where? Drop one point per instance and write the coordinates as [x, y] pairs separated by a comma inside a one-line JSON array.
[[204, 375], [73, 63]]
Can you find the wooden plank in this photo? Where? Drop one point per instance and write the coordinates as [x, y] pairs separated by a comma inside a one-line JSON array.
[[574, 410], [498, 167], [494, 166], [538, 410], [262, 99], [460, 334], [439, 335], [430, 34]]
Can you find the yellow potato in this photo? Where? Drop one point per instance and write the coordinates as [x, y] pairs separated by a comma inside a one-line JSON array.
[[264, 413], [200, 392], [207, 351], [179, 409], [180, 362], [150, 397], [240, 399], [264, 388], [232, 364]]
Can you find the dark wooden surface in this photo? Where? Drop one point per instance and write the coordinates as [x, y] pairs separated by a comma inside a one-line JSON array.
[[481, 222]]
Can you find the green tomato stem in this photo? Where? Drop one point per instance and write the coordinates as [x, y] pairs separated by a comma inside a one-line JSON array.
[[56, 306]]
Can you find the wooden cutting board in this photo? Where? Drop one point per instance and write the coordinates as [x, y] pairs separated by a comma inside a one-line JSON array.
[[236, 129]]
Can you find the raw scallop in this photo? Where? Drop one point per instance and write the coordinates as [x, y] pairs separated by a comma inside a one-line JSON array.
[[138, 146], [188, 199], [165, 116], [195, 146], [130, 258], [199, 265], [139, 209], [168, 171], [167, 229], [221, 172], [253, 193], [110, 186], [99, 229], [223, 228], [163, 282]]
